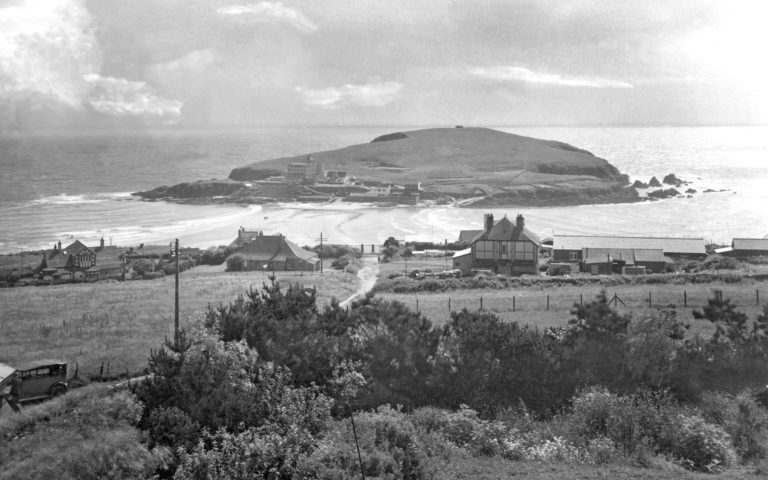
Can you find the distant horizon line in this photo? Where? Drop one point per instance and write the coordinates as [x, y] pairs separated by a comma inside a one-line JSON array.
[[249, 126]]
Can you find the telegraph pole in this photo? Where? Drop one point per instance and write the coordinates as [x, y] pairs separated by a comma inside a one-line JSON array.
[[321, 252], [175, 251]]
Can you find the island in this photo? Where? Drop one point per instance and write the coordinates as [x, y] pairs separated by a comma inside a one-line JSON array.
[[478, 167]]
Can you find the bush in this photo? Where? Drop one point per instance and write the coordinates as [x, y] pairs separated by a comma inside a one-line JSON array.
[[235, 263], [172, 427], [702, 446], [742, 418], [390, 446]]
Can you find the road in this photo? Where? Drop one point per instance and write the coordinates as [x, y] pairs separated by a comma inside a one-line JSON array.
[[367, 275]]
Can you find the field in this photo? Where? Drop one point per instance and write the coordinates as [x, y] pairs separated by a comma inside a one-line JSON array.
[[117, 323], [530, 305]]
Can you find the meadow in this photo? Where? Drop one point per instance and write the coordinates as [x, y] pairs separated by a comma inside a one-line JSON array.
[[115, 324], [542, 307]]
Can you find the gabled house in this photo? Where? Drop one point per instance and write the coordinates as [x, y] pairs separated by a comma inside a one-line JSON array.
[[272, 252], [77, 261], [506, 248]]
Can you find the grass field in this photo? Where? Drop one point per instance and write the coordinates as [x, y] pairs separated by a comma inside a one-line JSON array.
[[529, 305], [118, 322]]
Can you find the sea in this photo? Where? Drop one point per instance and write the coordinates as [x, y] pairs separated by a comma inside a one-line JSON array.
[[61, 185]]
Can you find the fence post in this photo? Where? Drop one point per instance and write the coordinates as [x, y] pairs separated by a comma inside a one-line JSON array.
[[650, 301], [581, 299], [547, 301], [757, 297], [513, 303], [481, 303], [417, 304], [449, 304], [685, 298]]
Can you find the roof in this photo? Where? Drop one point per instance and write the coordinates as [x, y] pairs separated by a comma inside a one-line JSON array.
[[274, 248], [750, 243], [462, 253], [693, 246], [5, 371], [43, 362], [505, 230], [107, 255], [58, 259], [723, 250], [468, 235], [629, 256], [74, 248]]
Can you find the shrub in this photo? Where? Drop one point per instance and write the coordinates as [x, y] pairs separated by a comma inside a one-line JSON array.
[[390, 446], [742, 418], [172, 427], [702, 446], [235, 263]]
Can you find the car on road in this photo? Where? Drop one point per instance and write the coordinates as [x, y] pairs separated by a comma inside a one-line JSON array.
[[35, 380]]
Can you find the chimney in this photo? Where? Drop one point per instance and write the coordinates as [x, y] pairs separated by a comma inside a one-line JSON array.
[[520, 221], [488, 221], [59, 244], [101, 242]]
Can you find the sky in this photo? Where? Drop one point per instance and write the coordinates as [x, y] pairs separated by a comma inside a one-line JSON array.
[[212, 63]]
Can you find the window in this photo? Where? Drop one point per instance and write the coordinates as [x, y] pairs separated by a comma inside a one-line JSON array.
[[574, 256]]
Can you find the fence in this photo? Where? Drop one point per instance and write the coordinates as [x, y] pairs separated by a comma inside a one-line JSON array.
[[558, 303]]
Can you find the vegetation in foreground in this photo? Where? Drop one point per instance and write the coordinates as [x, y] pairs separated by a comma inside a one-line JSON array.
[[265, 389]]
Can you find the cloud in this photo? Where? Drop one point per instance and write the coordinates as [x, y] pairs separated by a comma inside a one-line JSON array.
[[521, 74], [120, 97], [268, 12], [365, 95], [46, 46]]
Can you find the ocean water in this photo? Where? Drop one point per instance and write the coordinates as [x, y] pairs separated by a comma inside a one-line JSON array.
[[64, 186]]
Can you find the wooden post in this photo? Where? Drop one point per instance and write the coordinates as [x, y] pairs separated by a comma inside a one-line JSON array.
[[685, 298], [449, 304], [417, 304], [176, 302], [481, 303], [757, 297], [513, 303], [581, 299], [547, 301], [650, 301]]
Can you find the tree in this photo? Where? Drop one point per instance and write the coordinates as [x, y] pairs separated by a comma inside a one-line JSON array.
[[235, 263], [731, 324]]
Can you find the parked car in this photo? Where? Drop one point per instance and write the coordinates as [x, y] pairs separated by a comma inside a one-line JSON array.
[[35, 380]]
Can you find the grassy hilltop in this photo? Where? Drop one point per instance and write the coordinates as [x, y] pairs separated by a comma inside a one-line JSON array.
[[468, 162]]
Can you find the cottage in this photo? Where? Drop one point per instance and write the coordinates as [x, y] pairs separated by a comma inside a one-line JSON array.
[[273, 252], [506, 248], [745, 248], [569, 248]]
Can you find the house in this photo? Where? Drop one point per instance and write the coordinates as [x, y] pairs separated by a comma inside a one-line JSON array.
[[745, 247], [309, 171], [273, 252], [506, 248], [569, 248], [76, 260]]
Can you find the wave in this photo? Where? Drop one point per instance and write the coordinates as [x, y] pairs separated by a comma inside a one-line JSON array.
[[67, 199]]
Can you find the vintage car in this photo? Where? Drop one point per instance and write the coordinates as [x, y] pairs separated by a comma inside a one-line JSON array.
[[35, 380]]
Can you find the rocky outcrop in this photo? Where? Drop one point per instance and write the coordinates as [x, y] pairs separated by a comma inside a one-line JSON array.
[[199, 189], [690, 191], [663, 193], [671, 179], [639, 184], [654, 182]]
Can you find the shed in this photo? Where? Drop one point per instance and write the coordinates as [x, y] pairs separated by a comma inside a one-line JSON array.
[[462, 260]]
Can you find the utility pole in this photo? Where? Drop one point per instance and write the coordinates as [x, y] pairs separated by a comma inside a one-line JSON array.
[[21, 272], [175, 252], [321, 252]]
